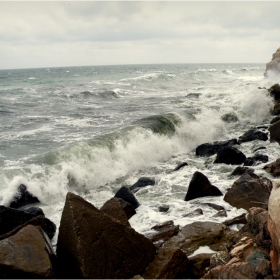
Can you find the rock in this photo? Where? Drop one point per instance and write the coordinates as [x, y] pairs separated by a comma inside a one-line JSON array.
[[229, 118], [275, 91], [194, 213], [256, 257], [142, 182], [263, 269], [209, 149], [93, 245], [274, 131], [259, 148], [197, 266], [276, 108], [169, 263], [275, 119], [11, 218], [163, 209], [25, 255], [241, 219], [200, 187], [274, 64], [126, 194], [197, 234], [180, 166], [273, 168], [239, 170], [164, 225], [35, 211], [114, 209], [253, 134], [127, 208], [249, 191], [234, 269], [256, 160], [230, 155], [23, 197], [220, 258], [221, 213], [214, 206]]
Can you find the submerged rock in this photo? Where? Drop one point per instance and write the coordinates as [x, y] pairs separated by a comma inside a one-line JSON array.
[[180, 166], [142, 182], [253, 134], [230, 155], [200, 187], [256, 160]]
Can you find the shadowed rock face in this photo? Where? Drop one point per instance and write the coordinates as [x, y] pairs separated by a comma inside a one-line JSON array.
[[274, 64], [93, 245]]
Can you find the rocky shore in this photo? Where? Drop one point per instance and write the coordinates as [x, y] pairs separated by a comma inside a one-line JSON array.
[[100, 243]]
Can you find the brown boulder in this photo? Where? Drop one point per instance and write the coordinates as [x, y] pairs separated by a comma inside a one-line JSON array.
[[249, 191], [169, 263], [200, 186], [273, 168], [25, 255], [93, 245], [234, 269], [114, 209], [274, 131]]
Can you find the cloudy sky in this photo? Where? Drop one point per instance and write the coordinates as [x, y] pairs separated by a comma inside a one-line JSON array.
[[75, 33]]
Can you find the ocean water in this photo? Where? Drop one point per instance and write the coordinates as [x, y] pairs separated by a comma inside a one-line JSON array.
[[91, 130]]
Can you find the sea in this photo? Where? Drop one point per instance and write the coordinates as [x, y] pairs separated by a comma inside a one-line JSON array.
[[91, 130]]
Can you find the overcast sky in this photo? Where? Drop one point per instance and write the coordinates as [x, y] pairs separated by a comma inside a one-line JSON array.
[[75, 33]]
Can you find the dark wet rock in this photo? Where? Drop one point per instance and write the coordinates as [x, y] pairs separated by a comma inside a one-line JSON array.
[[221, 213], [234, 269], [275, 119], [169, 263], [253, 134], [127, 208], [126, 194], [276, 108], [230, 155], [163, 209], [209, 149], [197, 266], [11, 218], [229, 118], [34, 211], [197, 234], [214, 206], [196, 212], [142, 182], [239, 170], [275, 91], [93, 245], [273, 168], [180, 166], [249, 191], [114, 209], [256, 160], [24, 255], [274, 64], [201, 187], [274, 131], [241, 219], [23, 197]]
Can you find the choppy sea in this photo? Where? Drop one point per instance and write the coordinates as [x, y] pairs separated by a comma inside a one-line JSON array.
[[91, 130]]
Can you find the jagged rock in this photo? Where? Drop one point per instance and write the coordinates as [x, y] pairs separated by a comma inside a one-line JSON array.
[[256, 160], [23, 197], [249, 191], [126, 194], [25, 255], [169, 263], [142, 182], [274, 131], [253, 134], [209, 149], [274, 64], [273, 168], [200, 187], [197, 234], [180, 166], [194, 213], [214, 206], [239, 170], [230, 155], [93, 245], [114, 209], [234, 269], [127, 208], [11, 218], [241, 219]]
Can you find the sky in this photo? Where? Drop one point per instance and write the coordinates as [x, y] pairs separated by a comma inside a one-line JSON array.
[[75, 33]]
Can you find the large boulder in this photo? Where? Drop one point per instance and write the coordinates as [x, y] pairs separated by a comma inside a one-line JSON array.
[[12, 218], [25, 255], [142, 182], [209, 149], [23, 197], [93, 245], [274, 64], [274, 131], [253, 134], [249, 191], [273, 168], [126, 194], [230, 155], [200, 186]]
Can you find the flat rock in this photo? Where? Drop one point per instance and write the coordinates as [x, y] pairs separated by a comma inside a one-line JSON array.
[[93, 245]]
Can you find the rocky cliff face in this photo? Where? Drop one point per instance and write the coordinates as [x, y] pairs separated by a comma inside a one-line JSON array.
[[274, 64]]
